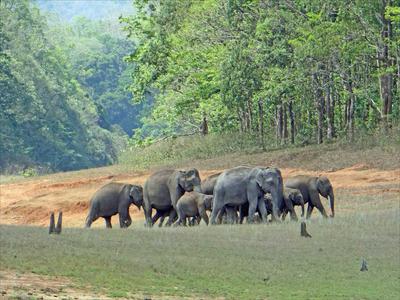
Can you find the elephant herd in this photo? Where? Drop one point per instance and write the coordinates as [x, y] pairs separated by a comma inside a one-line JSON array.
[[230, 196]]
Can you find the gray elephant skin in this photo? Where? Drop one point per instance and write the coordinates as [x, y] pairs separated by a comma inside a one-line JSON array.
[[295, 198], [311, 187], [193, 204], [162, 190], [208, 184], [114, 198], [241, 185]]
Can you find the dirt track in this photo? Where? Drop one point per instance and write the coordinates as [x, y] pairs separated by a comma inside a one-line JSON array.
[[30, 202]]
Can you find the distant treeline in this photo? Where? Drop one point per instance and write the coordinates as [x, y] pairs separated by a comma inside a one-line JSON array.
[[63, 98], [300, 71]]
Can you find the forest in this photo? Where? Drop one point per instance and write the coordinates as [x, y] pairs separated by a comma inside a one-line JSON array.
[[295, 70], [75, 92], [64, 105]]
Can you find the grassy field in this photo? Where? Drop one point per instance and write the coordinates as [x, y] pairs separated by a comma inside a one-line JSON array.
[[216, 262], [233, 262]]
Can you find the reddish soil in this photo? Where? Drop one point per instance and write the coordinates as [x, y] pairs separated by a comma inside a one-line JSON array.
[[30, 202]]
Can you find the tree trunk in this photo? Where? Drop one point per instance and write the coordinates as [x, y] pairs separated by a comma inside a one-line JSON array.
[[279, 123], [329, 112], [348, 84], [285, 123], [384, 62], [319, 100], [291, 116], [261, 122]]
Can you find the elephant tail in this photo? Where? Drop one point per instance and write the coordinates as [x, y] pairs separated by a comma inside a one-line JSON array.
[[92, 215]]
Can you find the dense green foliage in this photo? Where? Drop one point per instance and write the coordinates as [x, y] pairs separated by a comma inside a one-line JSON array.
[[48, 119], [96, 51], [302, 71]]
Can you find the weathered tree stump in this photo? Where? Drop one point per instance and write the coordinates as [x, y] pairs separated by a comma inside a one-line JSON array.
[[51, 226], [303, 231], [59, 223], [364, 266]]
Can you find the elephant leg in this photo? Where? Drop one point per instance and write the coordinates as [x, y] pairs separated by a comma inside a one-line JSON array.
[[284, 213], [183, 220], [162, 219], [241, 214], [124, 217], [252, 211], [108, 222], [172, 217], [310, 208], [262, 210], [202, 214], [321, 209], [217, 208], [316, 202], [147, 215], [157, 216], [231, 215], [221, 215]]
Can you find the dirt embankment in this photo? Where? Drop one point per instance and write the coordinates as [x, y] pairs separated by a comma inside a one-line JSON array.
[[31, 202]]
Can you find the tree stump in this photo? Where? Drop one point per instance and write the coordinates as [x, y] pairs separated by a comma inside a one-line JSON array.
[[303, 231], [51, 227], [59, 223]]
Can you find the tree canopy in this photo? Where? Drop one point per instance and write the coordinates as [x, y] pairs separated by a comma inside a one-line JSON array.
[[62, 91], [302, 71]]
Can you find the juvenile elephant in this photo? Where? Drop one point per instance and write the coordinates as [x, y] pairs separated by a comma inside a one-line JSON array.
[[193, 204], [241, 185], [292, 196], [163, 189], [114, 198], [244, 209], [311, 187]]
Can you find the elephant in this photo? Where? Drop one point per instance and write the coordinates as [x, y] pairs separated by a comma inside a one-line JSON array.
[[193, 204], [311, 187], [241, 185], [294, 197], [244, 209], [207, 185], [161, 215], [162, 190], [114, 198]]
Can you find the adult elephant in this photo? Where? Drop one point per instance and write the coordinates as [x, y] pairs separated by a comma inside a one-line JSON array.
[[114, 198], [311, 187], [208, 184], [227, 214], [241, 185], [162, 190]]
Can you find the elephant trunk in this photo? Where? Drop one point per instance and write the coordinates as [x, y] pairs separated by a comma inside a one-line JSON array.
[[278, 201], [332, 203]]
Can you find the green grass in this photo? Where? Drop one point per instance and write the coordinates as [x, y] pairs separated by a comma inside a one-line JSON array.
[[235, 262]]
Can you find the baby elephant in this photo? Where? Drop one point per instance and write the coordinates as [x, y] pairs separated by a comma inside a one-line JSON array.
[[193, 204], [114, 198], [296, 198]]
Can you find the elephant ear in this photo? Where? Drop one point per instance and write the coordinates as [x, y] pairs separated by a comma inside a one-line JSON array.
[[260, 178], [323, 185]]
